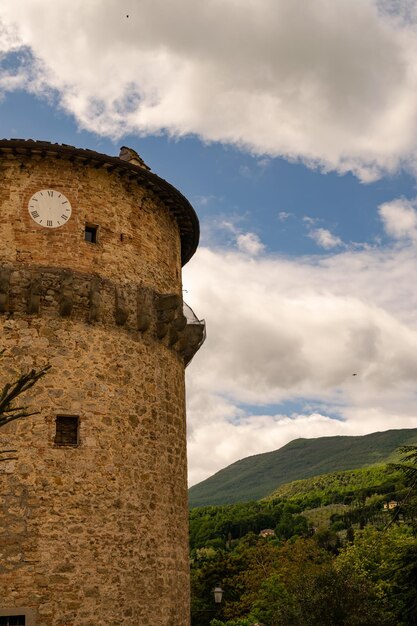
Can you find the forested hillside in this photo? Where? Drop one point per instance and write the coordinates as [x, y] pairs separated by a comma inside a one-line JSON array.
[[361, 492], [332, 550], [258, 476]]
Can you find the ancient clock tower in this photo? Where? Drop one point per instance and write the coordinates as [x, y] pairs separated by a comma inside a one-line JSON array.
[[93, 512]]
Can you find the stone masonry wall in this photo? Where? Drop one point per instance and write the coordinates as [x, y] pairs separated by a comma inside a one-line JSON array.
[[93, 534]]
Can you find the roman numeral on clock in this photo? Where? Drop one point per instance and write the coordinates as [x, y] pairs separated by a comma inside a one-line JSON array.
[[34, 214], [49, 222]]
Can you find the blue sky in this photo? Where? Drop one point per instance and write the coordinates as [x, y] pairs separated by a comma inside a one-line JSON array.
[[225, 182], [293, 134]]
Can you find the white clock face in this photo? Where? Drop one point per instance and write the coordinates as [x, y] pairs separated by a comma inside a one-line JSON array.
[[49, 208]]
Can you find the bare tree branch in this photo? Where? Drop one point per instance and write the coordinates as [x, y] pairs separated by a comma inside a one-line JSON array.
[[9, 393]]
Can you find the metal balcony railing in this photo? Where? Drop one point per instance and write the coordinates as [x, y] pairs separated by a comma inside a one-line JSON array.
[[195, 332]]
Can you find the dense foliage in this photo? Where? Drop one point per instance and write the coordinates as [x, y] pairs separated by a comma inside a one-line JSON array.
[[357, 568], [343, 487]]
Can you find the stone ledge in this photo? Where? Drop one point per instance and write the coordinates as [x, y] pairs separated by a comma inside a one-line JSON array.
[[137, 309]]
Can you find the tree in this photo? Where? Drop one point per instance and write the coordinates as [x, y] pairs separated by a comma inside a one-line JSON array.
[[403, 577], [9, 394], [386, 559], [408, 466], [408, 463]]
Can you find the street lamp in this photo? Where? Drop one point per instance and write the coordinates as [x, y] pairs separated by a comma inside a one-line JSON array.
[[218, 594]]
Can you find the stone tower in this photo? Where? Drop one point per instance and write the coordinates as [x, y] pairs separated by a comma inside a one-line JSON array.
[[93, 512]]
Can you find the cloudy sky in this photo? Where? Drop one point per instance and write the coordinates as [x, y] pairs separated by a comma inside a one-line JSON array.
[[292, 128]]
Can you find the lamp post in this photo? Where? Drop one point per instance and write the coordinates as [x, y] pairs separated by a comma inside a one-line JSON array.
[[218, 595]]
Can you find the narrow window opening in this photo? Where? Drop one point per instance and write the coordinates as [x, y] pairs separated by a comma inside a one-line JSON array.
[[67, 431], [13, 620], [90, 235], [121, 236]]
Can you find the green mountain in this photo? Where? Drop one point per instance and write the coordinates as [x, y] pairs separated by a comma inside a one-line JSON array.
[[258, 476]]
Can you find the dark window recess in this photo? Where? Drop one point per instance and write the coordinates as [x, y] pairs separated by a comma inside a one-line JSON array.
[[13, 620], [67, 427], [90, 235]]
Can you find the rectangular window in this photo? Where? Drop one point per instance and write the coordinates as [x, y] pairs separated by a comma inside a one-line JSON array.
[[67, 431], [21, 616], [90, 233]]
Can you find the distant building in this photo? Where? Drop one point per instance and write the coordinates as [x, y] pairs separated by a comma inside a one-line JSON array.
[[267, 532], [392, 504]]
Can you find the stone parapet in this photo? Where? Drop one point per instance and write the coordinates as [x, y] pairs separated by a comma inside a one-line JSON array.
[[136, 309]]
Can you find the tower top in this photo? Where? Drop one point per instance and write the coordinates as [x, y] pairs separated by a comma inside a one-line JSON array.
[[128, 165]]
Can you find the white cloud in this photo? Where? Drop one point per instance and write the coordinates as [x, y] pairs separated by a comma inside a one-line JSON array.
[[283, 216], [203, 201], [334, 84], [302, 327], [295, 329], [264, 163], [249, 243], [226, 231], [325, 239], [399, 218]]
